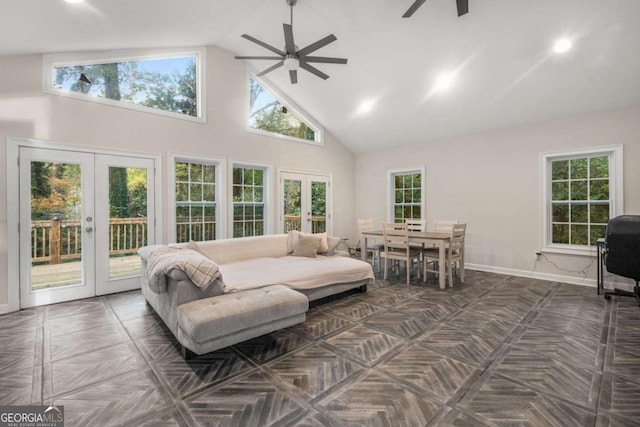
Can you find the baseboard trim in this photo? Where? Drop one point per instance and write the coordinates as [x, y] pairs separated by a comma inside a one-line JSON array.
[[533, 275], [4, 308], [611, 281]]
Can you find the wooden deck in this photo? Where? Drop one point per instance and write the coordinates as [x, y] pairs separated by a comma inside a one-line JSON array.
[[54, 275]]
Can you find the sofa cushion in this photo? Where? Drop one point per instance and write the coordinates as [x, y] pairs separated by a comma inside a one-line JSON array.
[[231, 313], [295, 272], [307, 246], [194, 246], [226, 251]]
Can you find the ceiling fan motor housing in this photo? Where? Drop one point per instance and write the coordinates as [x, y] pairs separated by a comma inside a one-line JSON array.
[[291, 62]]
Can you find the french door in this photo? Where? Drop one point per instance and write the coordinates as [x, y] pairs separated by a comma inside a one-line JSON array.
[[305, 203], [83, 216]]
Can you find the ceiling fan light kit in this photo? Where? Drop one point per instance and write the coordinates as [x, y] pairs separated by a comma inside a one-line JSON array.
[[293, 58]]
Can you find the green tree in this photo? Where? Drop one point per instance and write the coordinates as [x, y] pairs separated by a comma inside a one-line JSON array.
[[118, 193], [55, 190], [273, 116], [137, 192]]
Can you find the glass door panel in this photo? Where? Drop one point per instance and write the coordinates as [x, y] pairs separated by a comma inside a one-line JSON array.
[[292, 194], [304, 202], [127, 219], [56, 209], [124, 211], [318, 204]]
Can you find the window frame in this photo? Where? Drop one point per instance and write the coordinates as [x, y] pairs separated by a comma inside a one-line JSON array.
[[391, 173], [287, 102], [51, 61], [267, 181], [616, 193], [220, 191]]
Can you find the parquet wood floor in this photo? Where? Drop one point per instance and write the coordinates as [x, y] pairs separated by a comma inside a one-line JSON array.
[[494, 351]]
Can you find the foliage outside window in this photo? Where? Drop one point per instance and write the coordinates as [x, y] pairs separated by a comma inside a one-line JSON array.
[[268, 114], [292, 189], [318, 207], [248, 201], [580, 200], [195, 201], [56, 193], [162, 84], [407, 195]]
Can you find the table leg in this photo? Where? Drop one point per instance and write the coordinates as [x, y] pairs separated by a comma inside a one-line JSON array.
[[441, 265], [363, 248]]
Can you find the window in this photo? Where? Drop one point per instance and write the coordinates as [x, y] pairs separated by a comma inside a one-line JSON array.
[[196, 209], [407, 194], [249, 183], [268, 114], [165, 83], [582, 191]]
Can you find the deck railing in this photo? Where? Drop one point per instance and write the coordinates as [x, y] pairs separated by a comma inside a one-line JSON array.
[[56, 241], [293, 222]]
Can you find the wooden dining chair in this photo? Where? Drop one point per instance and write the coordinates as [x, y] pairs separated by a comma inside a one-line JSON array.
[[375, 247], [397, 248], [454, 257], [444, 225], [416, 225]]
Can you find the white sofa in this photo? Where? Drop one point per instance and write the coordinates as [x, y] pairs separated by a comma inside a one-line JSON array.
[[258, 275]]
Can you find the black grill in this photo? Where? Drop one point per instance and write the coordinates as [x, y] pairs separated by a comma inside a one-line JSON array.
[[622, 253]]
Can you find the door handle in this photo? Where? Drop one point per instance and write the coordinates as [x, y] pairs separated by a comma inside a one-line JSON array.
[[89, 229]]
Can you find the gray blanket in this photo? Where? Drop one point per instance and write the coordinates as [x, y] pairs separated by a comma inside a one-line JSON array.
[[200, 269]]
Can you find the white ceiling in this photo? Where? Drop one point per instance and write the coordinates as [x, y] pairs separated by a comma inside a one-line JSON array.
[[506, 72]]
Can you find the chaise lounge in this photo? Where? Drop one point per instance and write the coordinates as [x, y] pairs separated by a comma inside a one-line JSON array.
[[243, 288]]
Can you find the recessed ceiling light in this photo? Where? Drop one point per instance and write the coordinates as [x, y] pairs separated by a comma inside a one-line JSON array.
[[366, 106], [562, 46], [74, 1], [444, 82]]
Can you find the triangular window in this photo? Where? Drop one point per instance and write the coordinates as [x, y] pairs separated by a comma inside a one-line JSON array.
[[269, 114]]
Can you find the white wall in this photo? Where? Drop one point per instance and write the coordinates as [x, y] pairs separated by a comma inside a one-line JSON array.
[[492, 182], [25, 111]]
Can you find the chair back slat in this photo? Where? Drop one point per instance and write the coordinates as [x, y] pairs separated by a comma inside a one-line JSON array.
[[456, 242], [416, 224], [444, 225], [396, 239]]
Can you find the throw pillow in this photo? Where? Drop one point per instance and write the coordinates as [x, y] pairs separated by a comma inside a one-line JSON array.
[[307, 246], [292, 240], [324, 245]]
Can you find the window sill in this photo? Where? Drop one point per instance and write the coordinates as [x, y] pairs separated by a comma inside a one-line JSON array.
[[590, 251]]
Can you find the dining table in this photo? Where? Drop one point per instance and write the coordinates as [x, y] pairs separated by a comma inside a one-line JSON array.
[[436, 238]]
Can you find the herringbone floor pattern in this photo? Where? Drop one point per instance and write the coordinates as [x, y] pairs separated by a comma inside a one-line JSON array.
[[494, 351]]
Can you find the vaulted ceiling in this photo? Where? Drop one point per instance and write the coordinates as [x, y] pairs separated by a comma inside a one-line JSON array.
[[505, 72]]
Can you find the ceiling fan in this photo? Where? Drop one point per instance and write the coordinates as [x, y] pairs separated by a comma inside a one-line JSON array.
[[463, 7], [292, 57]]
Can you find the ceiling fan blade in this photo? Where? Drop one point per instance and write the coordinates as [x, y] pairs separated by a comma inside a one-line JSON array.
[[263, 44], [288, 39], [463, 7], [317, 45], [270, 69], [259, 57], [413, 8], [313, 70], [293, 75], [325, 60]]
